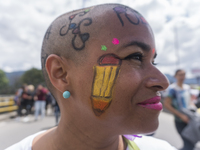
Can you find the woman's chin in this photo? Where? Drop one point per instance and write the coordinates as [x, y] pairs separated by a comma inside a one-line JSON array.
[[151, 128]]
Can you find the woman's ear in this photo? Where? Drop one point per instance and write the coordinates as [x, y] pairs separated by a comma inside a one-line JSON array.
[[57, 72]]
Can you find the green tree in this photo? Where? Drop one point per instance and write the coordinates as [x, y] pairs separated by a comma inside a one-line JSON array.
[[33, 76], [3, 83]]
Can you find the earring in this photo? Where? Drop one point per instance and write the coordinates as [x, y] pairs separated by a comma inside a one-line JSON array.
[[66, 94]]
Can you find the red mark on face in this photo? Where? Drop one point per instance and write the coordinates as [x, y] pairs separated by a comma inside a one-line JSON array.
[[109, 59], [115, 41], [153, 51], [143, 20], [72, 17]]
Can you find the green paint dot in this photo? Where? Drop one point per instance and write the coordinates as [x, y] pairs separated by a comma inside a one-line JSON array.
[[87, 10], [103, 48]]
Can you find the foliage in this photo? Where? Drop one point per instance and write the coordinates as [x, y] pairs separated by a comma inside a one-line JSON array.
[[3, 83], [33, 76]]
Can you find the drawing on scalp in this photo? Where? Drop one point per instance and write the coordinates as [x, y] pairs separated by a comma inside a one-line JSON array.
[[115, 41], [48, 32], [76, 30], [44, 58], [103, 48], [119, 10], [105, 75]]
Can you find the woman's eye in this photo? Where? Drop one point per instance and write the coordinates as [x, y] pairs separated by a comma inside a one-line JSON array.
[[135, 56]]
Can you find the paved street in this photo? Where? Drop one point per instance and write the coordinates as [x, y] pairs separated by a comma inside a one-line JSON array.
[[12, 130], [167, 131]]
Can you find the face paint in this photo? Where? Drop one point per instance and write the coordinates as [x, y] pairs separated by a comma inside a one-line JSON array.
[[115, 41], [87, 10], [153, 51], [105, 76], [44, 58], [103, 48], [48, 32], [76, 29], [137, 16]]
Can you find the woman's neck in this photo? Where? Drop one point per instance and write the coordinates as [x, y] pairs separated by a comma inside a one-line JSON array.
[[71, 136], [180, 84]]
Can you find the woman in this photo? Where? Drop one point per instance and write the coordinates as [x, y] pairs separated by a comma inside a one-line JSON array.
[[179, 98], [25, 100], [98, 63], [40, 101]]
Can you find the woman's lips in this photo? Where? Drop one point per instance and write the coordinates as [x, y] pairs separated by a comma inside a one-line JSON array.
[[152, 103]]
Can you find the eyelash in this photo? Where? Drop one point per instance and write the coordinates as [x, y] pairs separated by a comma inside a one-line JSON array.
[[133, 56], [139, 56]]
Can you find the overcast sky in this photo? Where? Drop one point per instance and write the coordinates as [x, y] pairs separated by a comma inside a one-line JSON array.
[[23, 24]]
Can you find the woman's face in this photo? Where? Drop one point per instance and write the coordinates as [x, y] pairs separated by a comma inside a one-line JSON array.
[[113, 84], [180, 76]]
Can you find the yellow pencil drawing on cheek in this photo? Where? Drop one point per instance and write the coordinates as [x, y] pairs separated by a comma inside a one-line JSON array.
[[105, 75]]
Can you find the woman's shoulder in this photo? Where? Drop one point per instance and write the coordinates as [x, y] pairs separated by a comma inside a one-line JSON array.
[[24, 144], [151, 143]]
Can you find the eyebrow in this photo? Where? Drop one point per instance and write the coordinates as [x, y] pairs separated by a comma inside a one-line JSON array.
[[142, 45]]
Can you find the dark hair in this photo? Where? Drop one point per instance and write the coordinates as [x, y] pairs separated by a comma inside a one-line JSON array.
[[177, 71]]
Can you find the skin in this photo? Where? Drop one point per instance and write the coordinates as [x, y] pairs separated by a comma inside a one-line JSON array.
[[25, 95], [180, 77], [79, 127]]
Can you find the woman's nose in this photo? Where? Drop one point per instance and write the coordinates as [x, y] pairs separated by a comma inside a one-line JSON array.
[[157, 81]]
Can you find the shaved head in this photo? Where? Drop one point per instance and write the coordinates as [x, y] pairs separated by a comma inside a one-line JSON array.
[[71, 34]]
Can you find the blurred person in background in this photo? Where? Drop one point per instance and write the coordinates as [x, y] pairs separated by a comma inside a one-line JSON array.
[[26, 100], [177, 98], [48, 100], [40, 101], [16, 97], [31, 92], [21, 93], [198, 99], [56, 109], [17, 102]]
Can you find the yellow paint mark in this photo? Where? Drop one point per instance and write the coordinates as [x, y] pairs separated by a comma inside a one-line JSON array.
[[98, 81], [100, 104], [110, 84], [104, 80]]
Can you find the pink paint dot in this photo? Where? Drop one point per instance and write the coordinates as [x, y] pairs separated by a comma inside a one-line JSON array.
[[115, 41], [153, 51]]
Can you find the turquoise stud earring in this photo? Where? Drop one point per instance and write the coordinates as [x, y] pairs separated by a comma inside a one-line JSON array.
[[66, 94]]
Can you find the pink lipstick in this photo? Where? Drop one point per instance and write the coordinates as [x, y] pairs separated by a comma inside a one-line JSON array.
[[152, 103]]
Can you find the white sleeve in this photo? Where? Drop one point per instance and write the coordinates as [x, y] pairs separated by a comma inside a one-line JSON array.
[[25, 144], [151, 143]]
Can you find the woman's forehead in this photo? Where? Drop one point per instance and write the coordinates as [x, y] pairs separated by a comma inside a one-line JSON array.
[[115, 35], [95, 28]]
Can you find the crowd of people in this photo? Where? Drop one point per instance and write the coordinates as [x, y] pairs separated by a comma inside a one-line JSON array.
[[31, 101]]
